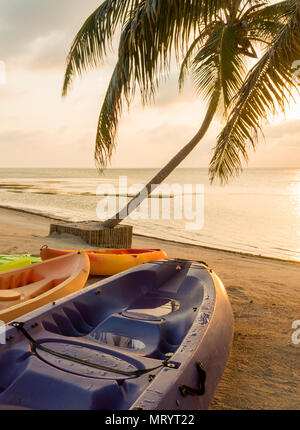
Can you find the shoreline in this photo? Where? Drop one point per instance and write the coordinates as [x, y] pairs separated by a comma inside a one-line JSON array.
[[263, 368], [242, 253]]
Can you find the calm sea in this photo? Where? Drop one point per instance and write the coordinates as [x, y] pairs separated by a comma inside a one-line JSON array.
[[257, 213]]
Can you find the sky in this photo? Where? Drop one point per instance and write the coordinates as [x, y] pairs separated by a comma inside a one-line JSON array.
[[40, 129]]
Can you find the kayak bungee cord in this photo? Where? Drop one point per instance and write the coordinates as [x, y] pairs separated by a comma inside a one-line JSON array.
[[134, 374]]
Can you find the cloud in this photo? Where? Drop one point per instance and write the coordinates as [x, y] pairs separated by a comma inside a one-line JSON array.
[[43, 149], [287, 132], [46, 52], [10, 137], [31, 29], [168, 92], [279, 148]]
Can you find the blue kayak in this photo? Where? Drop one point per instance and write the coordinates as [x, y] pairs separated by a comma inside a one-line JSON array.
[[156, 337]]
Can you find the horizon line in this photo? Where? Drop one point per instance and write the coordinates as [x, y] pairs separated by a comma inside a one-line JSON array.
[[144, 168]]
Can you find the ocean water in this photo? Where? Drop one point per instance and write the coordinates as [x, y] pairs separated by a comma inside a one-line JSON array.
[[257, 213]]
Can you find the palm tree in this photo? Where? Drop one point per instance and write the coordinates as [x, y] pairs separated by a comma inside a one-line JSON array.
[[225, 35]]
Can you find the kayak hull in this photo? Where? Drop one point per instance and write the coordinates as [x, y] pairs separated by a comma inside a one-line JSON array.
[[28, 288], [111, 261], [211, 352], [171, 321]]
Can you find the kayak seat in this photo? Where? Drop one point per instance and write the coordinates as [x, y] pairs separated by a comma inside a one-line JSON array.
[[8, 295], [35, 289], [13, 280], [146, 326], [152, 308], [137, 336], [148, 313]]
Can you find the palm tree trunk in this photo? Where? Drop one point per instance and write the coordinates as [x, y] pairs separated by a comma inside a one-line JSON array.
[[164, 172]]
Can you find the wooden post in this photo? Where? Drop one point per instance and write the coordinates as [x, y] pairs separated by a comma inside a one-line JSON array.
[[95, 235]]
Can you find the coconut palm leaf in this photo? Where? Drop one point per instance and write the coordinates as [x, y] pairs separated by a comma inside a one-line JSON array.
[[145, 52], [268, 86], [219, 60], [189, 57], [92, 41], [265, 23], [109, 118]]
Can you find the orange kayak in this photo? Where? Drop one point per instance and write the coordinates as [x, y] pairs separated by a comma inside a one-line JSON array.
[[26, 289], [108, 262]]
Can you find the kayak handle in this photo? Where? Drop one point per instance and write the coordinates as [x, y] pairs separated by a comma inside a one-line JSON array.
[[133, 374], [189, 391]]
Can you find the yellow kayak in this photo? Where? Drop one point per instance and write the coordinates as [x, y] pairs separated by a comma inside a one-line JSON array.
[[108, 262], [27, 288]]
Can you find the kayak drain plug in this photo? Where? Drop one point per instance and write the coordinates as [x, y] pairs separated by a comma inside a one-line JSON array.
[[171, 365]]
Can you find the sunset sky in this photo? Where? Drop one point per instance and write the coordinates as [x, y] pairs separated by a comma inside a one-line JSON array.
[[39, 129]]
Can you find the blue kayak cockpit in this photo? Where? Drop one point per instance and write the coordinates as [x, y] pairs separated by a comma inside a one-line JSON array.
[[147, 314]]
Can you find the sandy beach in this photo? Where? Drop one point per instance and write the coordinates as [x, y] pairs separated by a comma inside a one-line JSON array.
[[263, 371]]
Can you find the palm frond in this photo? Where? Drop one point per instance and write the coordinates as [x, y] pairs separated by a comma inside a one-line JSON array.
[[268, 86], [109, 118], [273, 11], [206, 68], [189, 58], [233, 69], [186, 63], [266, 23], [153, 28], [219, 59], [91, 43]]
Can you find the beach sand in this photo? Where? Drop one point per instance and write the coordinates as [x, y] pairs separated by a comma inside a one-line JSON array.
[[263, 371]]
